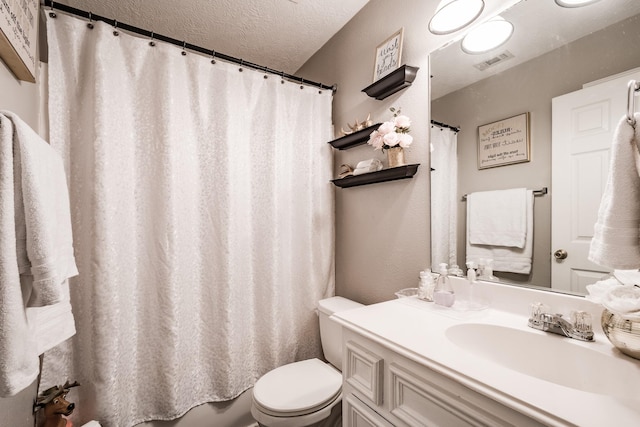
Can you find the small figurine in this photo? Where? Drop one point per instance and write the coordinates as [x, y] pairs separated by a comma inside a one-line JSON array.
[[55, 405]]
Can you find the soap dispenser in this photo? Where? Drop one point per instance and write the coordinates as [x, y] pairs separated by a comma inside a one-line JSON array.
[[443, 292]]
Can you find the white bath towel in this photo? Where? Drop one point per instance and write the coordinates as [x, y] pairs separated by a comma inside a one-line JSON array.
[[498, 218], [27, 254], [52, 324], [43, 222], [616, 239], [508, 259]]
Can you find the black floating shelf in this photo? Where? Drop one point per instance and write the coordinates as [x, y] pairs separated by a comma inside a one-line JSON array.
[[391, 174], [392, 82], [353, 139]]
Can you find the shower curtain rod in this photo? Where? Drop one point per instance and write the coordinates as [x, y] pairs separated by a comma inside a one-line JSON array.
[[116, 24], [444, 125]]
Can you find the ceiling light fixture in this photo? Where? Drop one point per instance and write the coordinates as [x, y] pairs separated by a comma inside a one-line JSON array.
[[575, 3], [487, 36], [453, 15]]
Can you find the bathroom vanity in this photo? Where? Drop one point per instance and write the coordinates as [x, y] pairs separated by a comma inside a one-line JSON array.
[[408, 362]]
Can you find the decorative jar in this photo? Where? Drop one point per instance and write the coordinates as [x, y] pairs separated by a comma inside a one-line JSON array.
[[623, 332], [395, 156]]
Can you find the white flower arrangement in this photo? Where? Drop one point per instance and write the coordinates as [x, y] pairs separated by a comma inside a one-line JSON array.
[[394, 133]]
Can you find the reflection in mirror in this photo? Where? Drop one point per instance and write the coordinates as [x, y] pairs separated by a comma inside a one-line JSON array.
[[553, 51]]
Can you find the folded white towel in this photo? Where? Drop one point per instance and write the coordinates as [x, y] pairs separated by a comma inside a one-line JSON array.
[[366, 166], [35, 248], [19, 362], [43, 221], [498, 218], [508, 259], [51, 325], [597, 291], [370, 163], [616, 239]]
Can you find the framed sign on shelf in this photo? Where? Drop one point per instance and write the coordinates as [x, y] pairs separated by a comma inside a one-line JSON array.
[[504, 142], [388, 55], [18, 37]]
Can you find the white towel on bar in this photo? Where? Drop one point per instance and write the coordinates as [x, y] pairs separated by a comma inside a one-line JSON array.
[[508, 259], [35, 249], [616, 240], [43, 222], [498, 218]]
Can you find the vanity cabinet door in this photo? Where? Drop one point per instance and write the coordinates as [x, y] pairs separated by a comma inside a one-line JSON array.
[[364, 372], [357, 414], [383, 388]]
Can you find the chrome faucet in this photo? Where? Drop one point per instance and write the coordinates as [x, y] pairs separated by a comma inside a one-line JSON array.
[[578, 328]]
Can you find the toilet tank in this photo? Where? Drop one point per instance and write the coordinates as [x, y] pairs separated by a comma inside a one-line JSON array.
[[330, 331]]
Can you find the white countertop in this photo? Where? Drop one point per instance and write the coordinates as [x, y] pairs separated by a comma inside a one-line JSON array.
[[418, 330]]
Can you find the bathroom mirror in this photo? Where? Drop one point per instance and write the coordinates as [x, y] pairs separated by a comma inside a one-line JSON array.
[[553, 51]]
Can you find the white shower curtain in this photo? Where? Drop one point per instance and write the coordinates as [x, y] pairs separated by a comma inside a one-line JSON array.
[[202, 217], [444, 189]]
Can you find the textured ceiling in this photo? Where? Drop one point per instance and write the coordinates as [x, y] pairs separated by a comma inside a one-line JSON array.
[[279, 34]]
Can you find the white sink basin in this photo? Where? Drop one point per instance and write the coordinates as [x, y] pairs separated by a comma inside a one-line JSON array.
[[550, 357]]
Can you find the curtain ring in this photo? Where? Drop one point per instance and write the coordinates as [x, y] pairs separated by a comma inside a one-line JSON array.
[[265, 72], [301, 81], [90, 24], [241, 64], [184, 46], [52, 14], [151, 42], [282, 77], [115, 27], [213, 56]]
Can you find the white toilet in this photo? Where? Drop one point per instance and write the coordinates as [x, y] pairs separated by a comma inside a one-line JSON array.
[[306, 393]]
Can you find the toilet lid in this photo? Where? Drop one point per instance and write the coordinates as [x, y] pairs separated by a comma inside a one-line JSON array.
[[299, 387]]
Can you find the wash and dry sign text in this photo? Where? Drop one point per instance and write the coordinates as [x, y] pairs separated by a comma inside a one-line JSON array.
[[504, 142]]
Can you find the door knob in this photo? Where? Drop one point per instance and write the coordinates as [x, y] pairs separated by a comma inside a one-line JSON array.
[[560, 254]]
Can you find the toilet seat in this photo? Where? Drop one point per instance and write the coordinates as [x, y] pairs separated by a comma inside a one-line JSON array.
[[297, 389]]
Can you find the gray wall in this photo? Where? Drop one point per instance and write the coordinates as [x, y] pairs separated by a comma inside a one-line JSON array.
[[382, 230], [530, 87]]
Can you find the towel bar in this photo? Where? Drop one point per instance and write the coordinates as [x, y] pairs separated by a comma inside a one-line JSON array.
[[634, 86], [541, 192]]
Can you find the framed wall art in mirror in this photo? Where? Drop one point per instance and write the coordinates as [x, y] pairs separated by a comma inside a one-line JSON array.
[[504, 142]]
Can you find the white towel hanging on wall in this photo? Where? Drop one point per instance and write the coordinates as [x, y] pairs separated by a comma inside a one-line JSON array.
[[36, 253]]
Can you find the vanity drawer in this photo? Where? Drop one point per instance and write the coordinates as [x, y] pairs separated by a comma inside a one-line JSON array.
[[419, 397], [358, 414], [420, 402], [364, 372]]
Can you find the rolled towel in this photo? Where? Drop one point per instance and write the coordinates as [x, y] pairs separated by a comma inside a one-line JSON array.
[[599, 290], [366, 166], [623, 300]]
